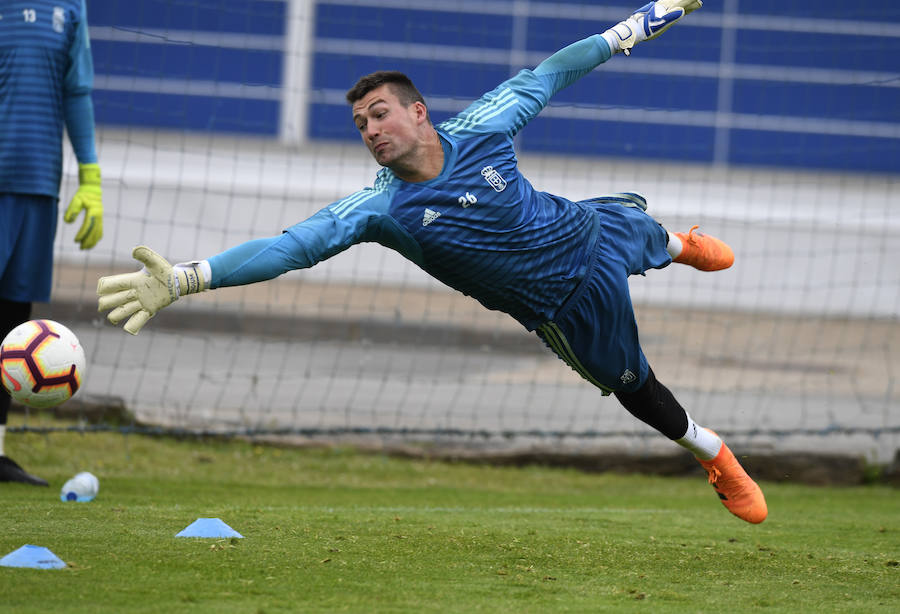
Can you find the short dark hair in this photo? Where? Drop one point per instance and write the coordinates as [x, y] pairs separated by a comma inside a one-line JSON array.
[[401, 86]]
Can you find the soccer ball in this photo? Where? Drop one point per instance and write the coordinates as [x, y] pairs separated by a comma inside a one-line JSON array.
[[41, 363]]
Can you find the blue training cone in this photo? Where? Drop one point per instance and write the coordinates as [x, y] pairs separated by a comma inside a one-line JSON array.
[[32, 556], [208, 527]]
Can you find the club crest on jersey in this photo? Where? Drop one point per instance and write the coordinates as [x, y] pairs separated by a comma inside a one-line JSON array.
[[493, 177], [59, 19]]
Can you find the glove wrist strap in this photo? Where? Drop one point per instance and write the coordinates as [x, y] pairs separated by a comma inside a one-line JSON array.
[[191, 277], [89, 174], [623, 36]]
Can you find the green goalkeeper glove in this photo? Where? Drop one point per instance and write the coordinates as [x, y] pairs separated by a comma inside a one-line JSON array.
[[89, 197], [648, 22], [138, 296]]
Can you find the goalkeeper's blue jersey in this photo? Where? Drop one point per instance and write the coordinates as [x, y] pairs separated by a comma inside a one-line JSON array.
[[45, 60], [479, 227]]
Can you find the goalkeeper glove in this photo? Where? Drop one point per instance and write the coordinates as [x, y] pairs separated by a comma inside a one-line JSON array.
[[648, 22], [138, 296], [88, 197]]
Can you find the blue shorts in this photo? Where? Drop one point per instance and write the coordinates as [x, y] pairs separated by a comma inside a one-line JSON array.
[[594, 331], [27, 231]]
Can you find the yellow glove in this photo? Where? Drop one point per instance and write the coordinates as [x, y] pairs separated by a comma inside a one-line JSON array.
[[139, 295], [90, 198]]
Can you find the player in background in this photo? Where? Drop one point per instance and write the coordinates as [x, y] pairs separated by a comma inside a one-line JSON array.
[[452, 200], [46, 77]]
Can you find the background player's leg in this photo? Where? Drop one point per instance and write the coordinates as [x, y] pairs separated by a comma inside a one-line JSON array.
[[12, 313]]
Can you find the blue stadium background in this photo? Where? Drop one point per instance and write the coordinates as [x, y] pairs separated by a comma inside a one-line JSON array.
[[775, 87]]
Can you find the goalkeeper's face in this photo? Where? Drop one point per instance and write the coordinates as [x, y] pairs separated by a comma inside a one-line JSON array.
[[394, 133]]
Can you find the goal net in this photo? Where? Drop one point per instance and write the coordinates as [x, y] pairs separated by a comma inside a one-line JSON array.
[[770, 125]]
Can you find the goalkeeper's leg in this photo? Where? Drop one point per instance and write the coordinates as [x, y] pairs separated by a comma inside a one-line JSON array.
[[595, 333], [655, 405], [13, 314], [593, 356], [699, 250]]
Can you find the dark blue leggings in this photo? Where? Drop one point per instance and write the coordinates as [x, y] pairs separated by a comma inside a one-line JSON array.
[[654, 404], [12, 314]]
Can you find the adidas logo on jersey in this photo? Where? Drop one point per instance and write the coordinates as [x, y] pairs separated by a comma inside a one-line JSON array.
[[430, 216]]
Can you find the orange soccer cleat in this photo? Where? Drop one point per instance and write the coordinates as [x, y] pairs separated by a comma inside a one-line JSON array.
[[703, 252], [738, 492]]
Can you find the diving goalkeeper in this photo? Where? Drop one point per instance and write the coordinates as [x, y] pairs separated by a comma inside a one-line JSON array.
[[451, 199]]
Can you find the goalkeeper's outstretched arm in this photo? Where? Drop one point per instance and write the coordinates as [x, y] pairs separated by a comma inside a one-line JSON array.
[[140, 295], [581, 57]]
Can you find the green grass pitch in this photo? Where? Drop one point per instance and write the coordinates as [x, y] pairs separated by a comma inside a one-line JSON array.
[[338, 531]]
